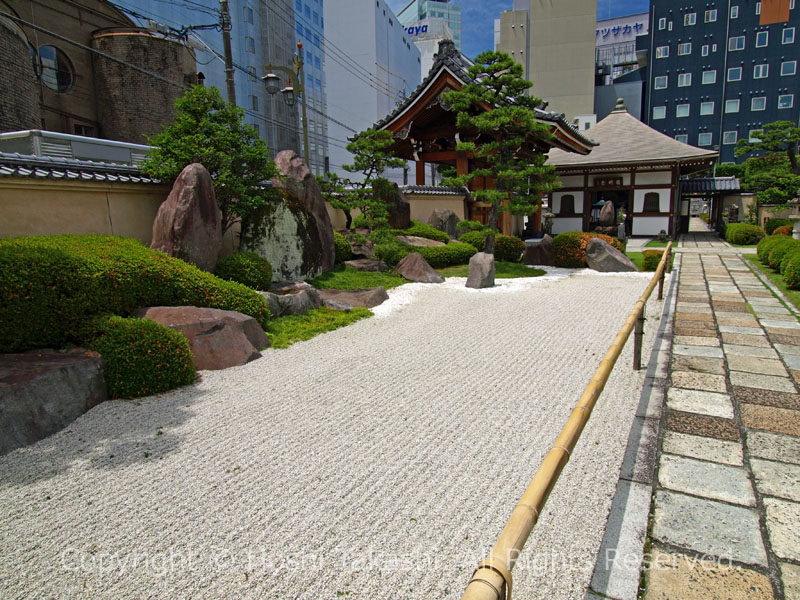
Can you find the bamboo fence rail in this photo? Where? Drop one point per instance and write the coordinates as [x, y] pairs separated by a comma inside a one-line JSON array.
[[492, 579]]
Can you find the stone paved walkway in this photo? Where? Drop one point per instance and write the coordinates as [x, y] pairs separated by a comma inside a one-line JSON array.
[[726, 506]]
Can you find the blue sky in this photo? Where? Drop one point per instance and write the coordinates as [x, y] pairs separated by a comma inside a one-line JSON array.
[[479, 15]]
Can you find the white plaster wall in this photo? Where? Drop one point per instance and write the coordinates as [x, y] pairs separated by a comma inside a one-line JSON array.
[[560, 225], [572, 181], [555, 204], [663, 199], [654, 178], [650, 225]]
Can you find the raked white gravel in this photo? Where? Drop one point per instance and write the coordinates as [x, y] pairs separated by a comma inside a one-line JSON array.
[[379, 461]]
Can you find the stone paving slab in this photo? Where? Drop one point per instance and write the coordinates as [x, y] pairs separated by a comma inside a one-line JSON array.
[[696, 340], [704, 448], [791, 318], [778, 338], [793, 349], [694, 332], [774, 446], [790, 575], [769, 418], [777, 479], [780, 324], [766, 382], [699, 381], [751, 364], [714, 366], [701, 402], [710, 527], [694, 316], [772, 310], [705, 351], [639, 461], [676, 576], [742, 330], [745, 340], [694, 424], [792, 361], [767, 397], [754, 351], [782, 520], [706, 479]]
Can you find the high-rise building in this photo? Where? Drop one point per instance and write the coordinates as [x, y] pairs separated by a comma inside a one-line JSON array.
[[424, 10], [261, 33], [372, 65], [718, 72], [555, 42]]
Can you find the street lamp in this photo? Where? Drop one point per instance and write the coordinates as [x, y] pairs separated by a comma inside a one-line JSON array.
[[272, 84]]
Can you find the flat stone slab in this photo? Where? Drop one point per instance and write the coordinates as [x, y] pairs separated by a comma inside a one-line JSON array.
[[701, 402], [694, 424], [790, 576], [742, 330], [751, 364], [706, 479], [767, 382], [792, 361], [347, 299], [777, 478], [676, 576], [695, 340], [705, 351], [782, 520], [766, 397], [745, 340], [694, 316], [709, 527], [793, 349], [700, 364], [704, 448], [697, 307], [699, 381], [694, 332], [754, 351], [616, 573], [374, 265], [769, 418], [641, 454], [780, 324], [774, 446], [740, 320], [420, 242], [771, 310]]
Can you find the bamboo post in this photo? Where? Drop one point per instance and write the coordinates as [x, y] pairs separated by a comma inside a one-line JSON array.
[[492, 580], [638, 334]]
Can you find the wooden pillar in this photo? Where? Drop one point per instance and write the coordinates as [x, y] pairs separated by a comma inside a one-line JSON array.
[[462, 164], [537, 219], [420, 172]]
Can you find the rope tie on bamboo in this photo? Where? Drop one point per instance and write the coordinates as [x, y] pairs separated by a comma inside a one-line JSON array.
[[499, 568], [561, 448], [530, 506]]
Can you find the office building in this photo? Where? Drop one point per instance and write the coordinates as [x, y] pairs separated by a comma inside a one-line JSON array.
[[718, 72], [420, 11], [372, 65]]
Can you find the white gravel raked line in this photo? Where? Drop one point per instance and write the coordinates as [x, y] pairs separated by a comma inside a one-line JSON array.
[[379, 461]]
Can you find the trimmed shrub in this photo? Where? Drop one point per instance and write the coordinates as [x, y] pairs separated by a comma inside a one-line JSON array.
[[423, 230], [343, 250], [770, 225], [454, 253], [569, 248], [506, 247], [783, 230], [743, 234], [791, 270], [790, 259], [778, 251], [765, 245], [651, 259], [142, 357], [247, 268], [52, 286], [470, 226]]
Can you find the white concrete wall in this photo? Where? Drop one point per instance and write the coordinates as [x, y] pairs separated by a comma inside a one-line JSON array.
[[555, 202], [563, 224], [654, 178], [663, 199], [650, 225], [572, 181]]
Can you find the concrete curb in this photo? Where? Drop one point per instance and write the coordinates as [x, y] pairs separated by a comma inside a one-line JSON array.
[[617, 570]]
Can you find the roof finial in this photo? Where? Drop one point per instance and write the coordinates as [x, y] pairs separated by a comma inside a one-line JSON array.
[[620, 107]]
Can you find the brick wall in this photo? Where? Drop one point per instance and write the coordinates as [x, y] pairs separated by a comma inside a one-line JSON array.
[[19, 102]]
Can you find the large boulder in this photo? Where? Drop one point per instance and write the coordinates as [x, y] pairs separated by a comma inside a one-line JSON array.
[[419, 242], [539, 252], [415, 268], [445, 220], [187, 225], [347, 299], [218, 338], [602, 256], [608, 215], [291, 298], [293, 233], [481, 271], [43, 391], [374, 265]]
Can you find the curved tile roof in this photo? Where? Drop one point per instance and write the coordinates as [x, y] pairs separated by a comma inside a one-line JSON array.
[[622, 138], [13, 164]]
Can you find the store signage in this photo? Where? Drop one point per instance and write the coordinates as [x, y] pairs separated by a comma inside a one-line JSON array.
[[618, 30], [415, 30]]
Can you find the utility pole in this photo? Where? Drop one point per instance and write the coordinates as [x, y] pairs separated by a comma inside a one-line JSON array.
[[225, 22]]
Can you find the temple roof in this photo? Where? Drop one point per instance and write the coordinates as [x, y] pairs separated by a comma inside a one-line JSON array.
[[710, 184], [624, 139], [13, 164], [449, 61]]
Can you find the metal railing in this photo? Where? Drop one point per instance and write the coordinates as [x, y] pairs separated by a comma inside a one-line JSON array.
[[492, 579]]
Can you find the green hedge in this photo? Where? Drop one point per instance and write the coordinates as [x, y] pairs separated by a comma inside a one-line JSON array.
[[569, 248], [142, 357], [770, 225], [506, 247], [765, 245], [783, 230], [743, 233], [651, 259], [343, 250], [454, 253], [423, 230], [790, 267], [779, 250], [52, 286], [247, 268]]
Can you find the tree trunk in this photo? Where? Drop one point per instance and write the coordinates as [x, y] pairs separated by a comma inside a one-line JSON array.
[[793, 160], [488, 247], [348, 219]]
